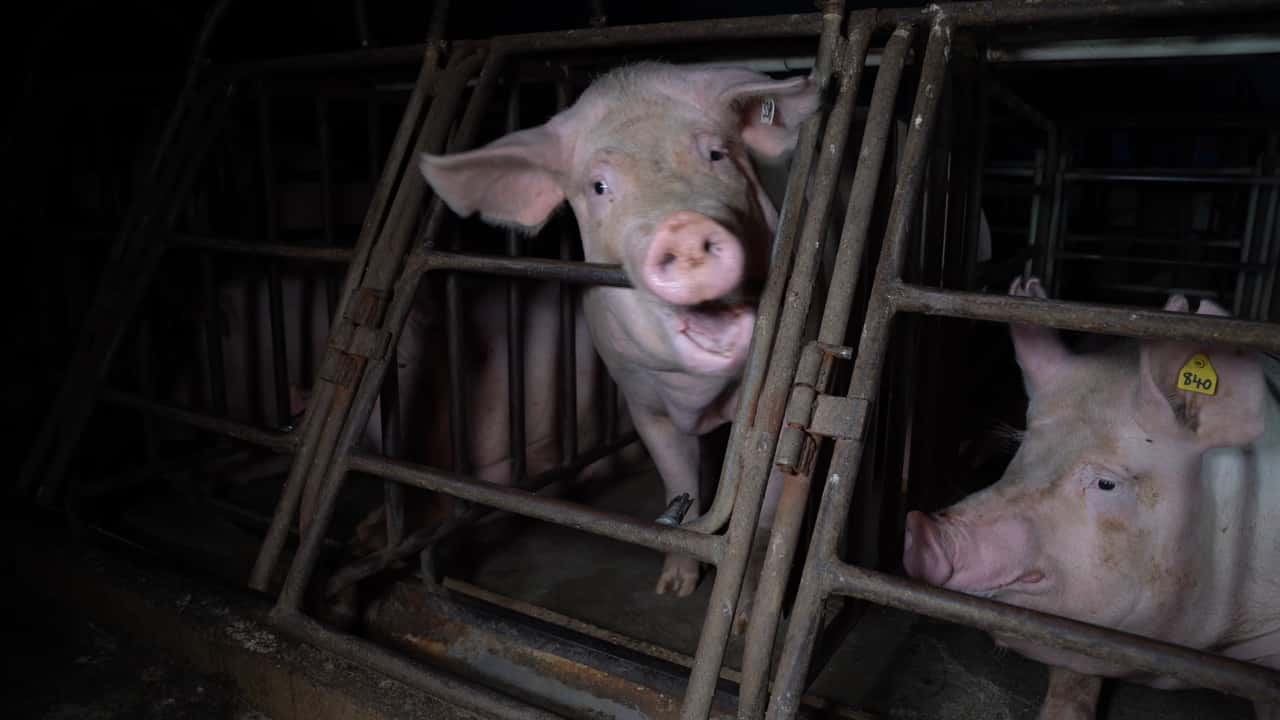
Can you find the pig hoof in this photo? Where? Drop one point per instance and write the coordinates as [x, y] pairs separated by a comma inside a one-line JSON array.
[[1030, 288], [679, 576]]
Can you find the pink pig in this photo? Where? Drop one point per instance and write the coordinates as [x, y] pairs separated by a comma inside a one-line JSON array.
[[1130, 504], [656, 162]]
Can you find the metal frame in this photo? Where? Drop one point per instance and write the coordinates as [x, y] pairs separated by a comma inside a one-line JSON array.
[[845, 419], [784, 407]]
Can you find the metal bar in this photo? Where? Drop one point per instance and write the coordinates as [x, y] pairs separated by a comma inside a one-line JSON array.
[[399, 549], [707, 548], [282, 251], [793, 665], [746, 468], [213, 336], [271, 439], [762, 625], [324, 140], [1159, 658], [568, 333], [437, 683], [995, 13], [987, 88], [515, 333], [570, 271], [1092, 175], [349, 409], [457, 376], [322, 395], [279, 351], [123, 285], [1086, 317], [275, 301], [1128, 50], [1243, 267], [768, 309]]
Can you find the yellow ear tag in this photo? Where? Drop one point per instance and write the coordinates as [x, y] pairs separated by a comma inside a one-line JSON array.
[[1198, 376]]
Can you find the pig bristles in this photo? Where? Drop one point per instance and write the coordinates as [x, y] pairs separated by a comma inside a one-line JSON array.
[[1010, 436]]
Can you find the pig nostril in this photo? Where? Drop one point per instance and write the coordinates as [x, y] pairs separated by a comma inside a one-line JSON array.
[[709, 247], [667, 259]]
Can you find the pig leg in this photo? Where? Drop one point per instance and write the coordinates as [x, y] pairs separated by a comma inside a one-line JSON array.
[[677, 456], [1071, 696]]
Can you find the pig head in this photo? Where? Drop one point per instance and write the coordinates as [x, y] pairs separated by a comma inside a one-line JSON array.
[[656, 162], [1130, 503]]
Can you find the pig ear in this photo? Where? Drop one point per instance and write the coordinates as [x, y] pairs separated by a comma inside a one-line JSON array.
[[1232, 416], [511, 181], [1041, 354], [771, 111]]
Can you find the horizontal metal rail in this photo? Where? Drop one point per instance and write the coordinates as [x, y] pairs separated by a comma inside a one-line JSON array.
[[571, 271], [1085, 317], [439, 683], [707, 548], [234, 246], [1138, 176], [271, 439], [1159, 658], [1138, 260]]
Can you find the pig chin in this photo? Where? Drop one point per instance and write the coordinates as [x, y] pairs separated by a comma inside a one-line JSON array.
[[713, 339]]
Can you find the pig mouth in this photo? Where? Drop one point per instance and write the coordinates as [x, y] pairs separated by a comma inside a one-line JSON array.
[[720, 330]]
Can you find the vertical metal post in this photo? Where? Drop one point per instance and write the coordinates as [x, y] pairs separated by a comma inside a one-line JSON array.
[[975, 179], [515, 330], [776, 567], [326, 195], [793, 666], [568, 334], [213, 336], [275, 301], [756, 450]]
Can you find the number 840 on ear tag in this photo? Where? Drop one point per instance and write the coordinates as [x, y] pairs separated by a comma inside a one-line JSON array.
[[1198, 376]]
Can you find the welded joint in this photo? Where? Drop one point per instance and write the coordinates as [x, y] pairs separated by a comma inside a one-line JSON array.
[[367, 307], [352, 346]]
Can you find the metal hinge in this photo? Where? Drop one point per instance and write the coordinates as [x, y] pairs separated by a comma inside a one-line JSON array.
[[812, 414]]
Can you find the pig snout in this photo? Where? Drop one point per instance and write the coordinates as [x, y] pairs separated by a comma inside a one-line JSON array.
[[923, 554], [692, 259]]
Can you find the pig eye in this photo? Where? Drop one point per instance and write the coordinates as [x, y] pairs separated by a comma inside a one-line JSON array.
[[716, 155], [1105, 484], [600, 187]]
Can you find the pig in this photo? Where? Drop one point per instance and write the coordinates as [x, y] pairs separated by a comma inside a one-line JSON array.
[[1130, 503], [656, 163]]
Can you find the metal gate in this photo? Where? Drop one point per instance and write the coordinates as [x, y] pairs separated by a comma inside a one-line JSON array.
[[785, 414]]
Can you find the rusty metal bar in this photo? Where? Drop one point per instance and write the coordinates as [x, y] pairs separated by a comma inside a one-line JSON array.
[[570, 271], [270, 439], [995, 13], [1159, 658], [793, 665], [1243, 267], [399, 549], [278, 250], [762, 625], [350, 406], [322, 396], [747, 460], [707, 548], [768, 309], [437, 683], [1085, 317]]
